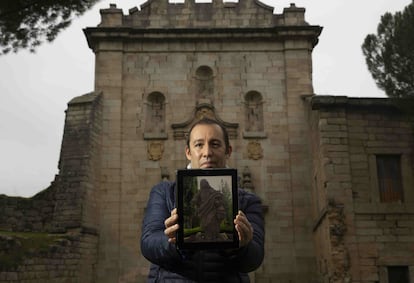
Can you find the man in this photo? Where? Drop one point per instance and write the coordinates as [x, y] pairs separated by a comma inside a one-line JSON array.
[[207, 146]]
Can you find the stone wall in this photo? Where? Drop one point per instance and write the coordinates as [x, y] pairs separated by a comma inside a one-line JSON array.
[[164, 66], [53, 236], [365, 236], [163, 14], [27, 215], [40, 257], [174, 63], [75, 197]]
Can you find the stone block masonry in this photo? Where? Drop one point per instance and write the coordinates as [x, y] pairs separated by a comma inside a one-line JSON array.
[[53, 236], [161, 68], [366, 236], [42, 257]]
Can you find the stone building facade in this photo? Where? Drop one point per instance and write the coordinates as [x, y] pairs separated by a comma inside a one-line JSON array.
[[363, 214], [312, 159]]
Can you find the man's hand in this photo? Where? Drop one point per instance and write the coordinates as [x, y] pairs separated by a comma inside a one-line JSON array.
[[171, 226], [244, 229]]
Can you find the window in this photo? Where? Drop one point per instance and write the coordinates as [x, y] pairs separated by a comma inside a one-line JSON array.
[[389, 178], [398, 274]]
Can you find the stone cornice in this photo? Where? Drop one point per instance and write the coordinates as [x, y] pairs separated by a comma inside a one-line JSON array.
[[330, 101], [129, 34]]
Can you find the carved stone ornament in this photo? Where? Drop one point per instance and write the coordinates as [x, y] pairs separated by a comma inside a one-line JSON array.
[[155, 149], [254, 150], [247, 180], [204, 112], [203, 109]]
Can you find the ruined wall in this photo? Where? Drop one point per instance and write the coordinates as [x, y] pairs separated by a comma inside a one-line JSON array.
[[364, 235], [76, 203], [39, 257], [28, 214], [53, 236]]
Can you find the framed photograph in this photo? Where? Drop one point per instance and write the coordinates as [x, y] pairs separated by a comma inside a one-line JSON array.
[[207, 203]]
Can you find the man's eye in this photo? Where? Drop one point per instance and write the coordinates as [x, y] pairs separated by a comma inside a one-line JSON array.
[[198, 145], [216, 145]]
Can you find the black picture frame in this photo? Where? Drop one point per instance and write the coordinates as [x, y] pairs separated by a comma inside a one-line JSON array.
[[207, 204]]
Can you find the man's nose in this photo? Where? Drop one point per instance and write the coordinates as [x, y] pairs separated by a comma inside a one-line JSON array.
[[207, 150]]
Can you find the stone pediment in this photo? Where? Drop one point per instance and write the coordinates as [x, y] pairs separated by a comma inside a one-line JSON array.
[[161, 13], [203, 109], [160, 20], [217, 14]]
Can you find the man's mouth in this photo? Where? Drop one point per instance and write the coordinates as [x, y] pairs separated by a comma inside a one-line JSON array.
[[208, 164]]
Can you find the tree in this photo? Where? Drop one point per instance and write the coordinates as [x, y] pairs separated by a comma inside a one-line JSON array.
[[27, 23], [390, 54]]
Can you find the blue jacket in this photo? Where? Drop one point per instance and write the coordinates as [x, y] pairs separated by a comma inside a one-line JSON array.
[[168, 265]]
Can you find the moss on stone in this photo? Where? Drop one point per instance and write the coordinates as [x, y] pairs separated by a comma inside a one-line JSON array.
[[17, 246]]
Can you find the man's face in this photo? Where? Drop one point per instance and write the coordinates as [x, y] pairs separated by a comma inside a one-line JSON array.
[[207, 147]]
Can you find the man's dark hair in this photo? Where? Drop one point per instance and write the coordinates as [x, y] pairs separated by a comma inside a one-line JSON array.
[[209, 121]]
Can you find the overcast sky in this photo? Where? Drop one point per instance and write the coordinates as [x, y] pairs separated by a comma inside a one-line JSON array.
[[35, 88]]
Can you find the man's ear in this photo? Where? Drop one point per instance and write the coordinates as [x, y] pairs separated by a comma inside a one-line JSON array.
[[188, 153], [229, 151]]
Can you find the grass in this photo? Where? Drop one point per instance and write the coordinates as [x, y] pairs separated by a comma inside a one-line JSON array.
[[16, 246], [195, 230]]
